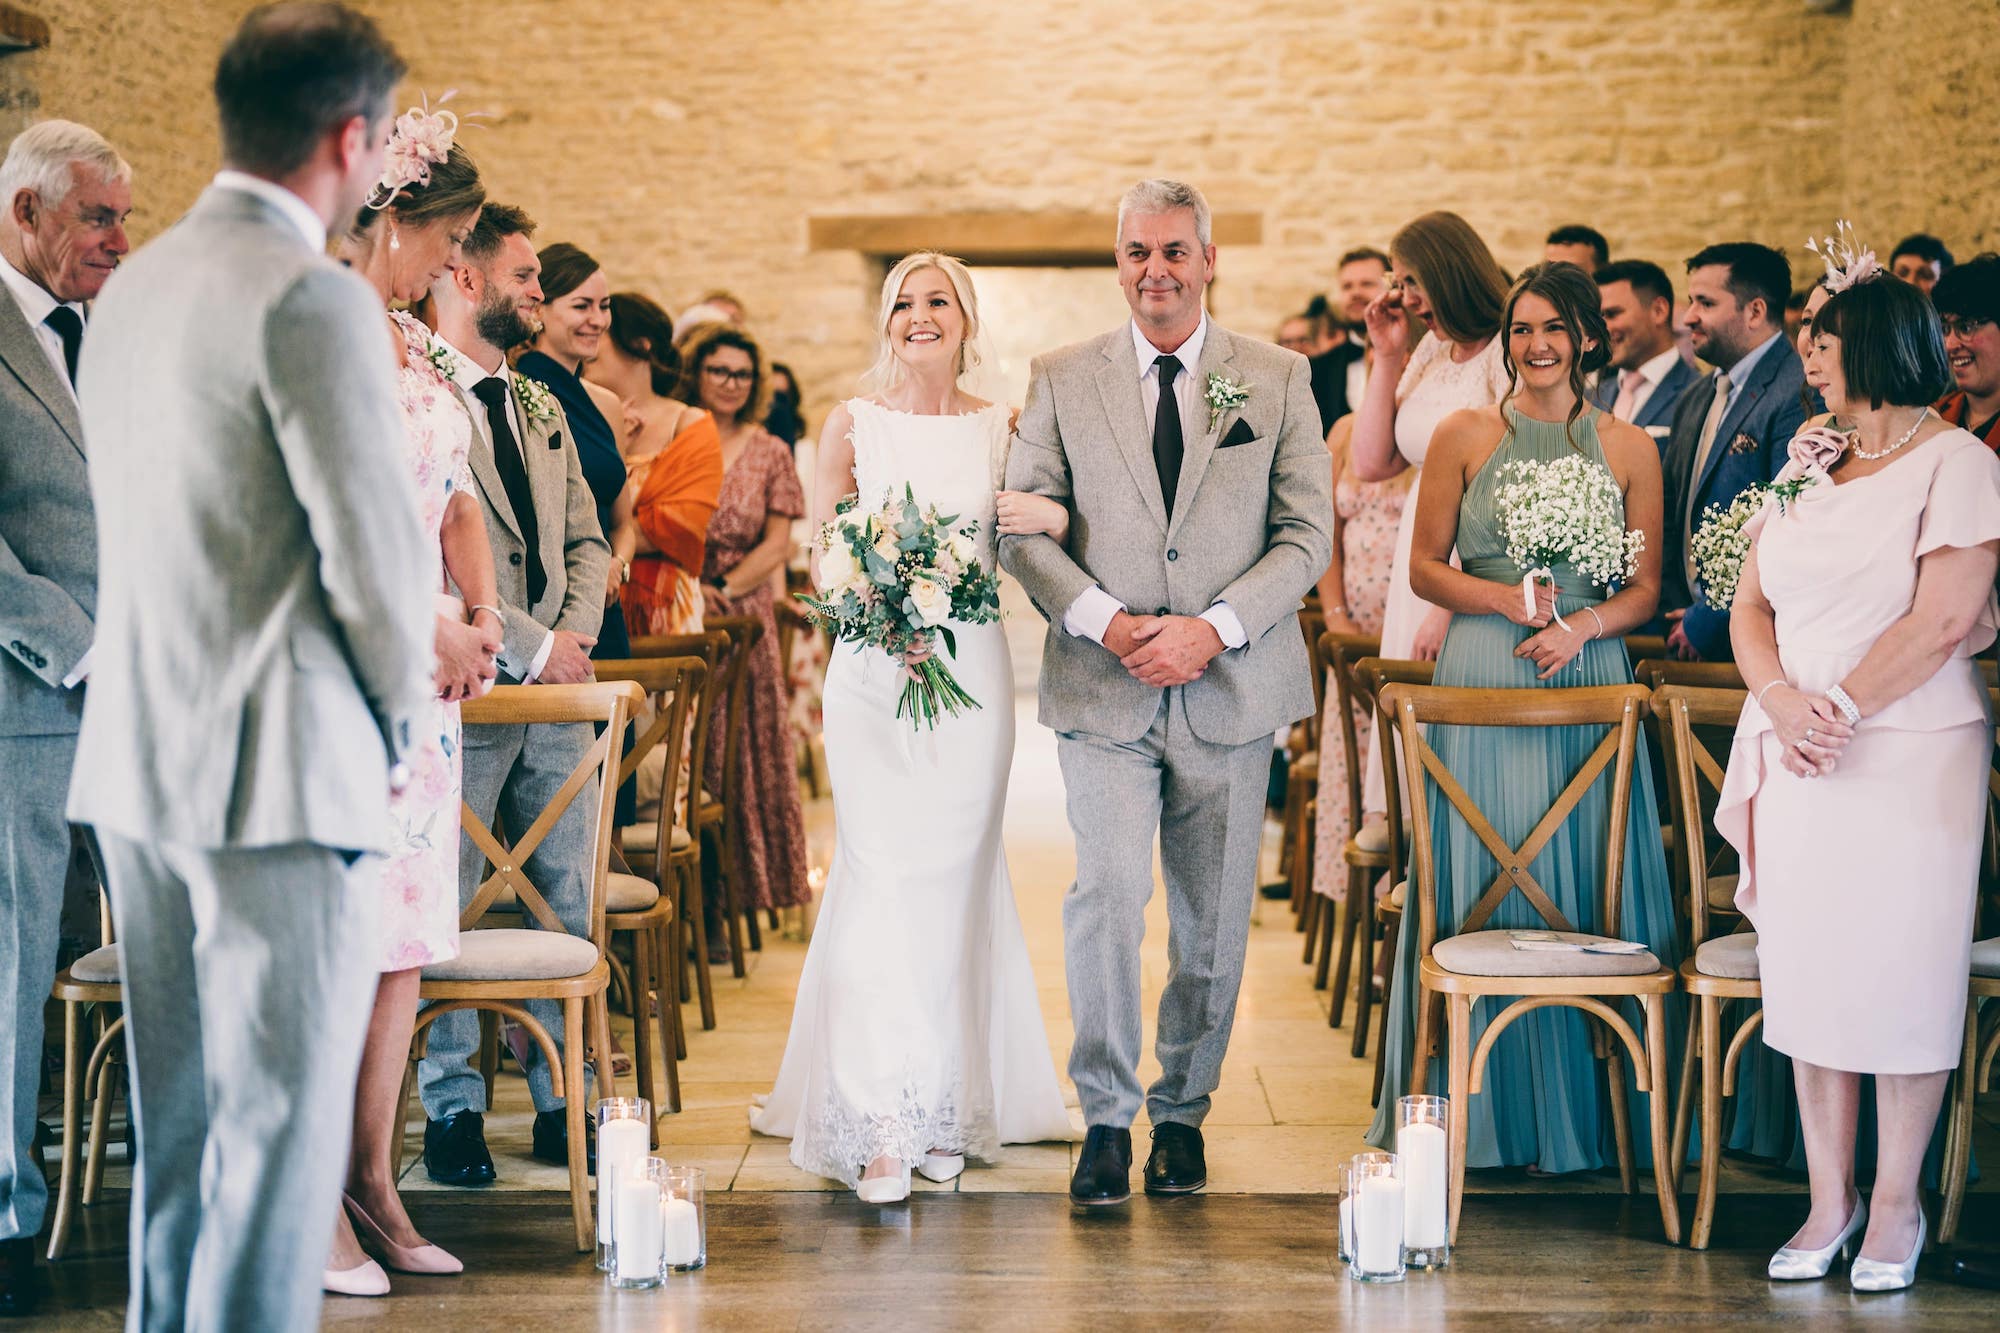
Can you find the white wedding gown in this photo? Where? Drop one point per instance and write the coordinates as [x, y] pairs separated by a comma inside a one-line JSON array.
[[917, 1024]]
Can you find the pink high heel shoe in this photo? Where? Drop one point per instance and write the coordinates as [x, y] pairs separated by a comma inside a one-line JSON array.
[[422, 1259]]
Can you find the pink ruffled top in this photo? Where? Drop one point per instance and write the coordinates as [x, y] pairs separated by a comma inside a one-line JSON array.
[[1839, 567]]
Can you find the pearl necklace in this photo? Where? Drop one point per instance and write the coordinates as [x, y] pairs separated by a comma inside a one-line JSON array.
[[1908, 435]]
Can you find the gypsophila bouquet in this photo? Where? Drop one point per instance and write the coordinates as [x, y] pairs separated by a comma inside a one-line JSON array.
[[892, 578], [1722, 542], [1566, 511]]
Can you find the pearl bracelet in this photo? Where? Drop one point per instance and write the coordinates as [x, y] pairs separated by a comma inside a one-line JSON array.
[[1844, 704], [1768, 687]]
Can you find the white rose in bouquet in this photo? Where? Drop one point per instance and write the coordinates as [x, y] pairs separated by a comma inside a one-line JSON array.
[[962, 548], [838, 569], [932, 600], [885, 540]]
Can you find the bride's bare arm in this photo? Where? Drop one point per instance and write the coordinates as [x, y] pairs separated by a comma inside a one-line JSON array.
[[833, 477], [1018, 514]]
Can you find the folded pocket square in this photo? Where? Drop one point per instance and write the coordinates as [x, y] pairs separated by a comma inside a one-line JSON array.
[[1240, 433], [555, 439]]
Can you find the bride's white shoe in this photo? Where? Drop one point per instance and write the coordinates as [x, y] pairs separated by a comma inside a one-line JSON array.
[[892, 1188], [941, 1167], [1790, 1265], [1881, 1275]]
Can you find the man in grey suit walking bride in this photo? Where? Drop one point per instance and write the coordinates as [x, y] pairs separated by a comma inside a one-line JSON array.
[[1202, 512]]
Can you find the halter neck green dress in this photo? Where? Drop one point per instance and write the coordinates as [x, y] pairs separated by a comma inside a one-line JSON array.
[[1544, 1101]]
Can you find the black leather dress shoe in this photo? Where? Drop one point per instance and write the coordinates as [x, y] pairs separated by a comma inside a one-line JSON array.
[[552, 1139], [1103, 1176], [1977, 1273], [21, 1280], [455, 1150], [1176, 1165]]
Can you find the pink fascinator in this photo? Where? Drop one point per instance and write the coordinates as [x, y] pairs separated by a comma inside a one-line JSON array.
[[1847, 263], [420, 139]]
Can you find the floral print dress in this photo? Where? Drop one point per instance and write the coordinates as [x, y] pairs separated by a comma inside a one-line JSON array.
[[419, 919]]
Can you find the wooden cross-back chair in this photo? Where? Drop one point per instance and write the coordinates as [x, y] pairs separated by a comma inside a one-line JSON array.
[[1977, 1055], [683, 856], [1302, 790], [641, 907], [1641, 647], [500, 969], [92, 996], [1477, 960], [719, 817], [1721, 964], [1375, 674], [1340, 652]]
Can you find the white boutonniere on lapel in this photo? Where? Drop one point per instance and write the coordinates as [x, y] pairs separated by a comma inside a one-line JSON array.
[[1223, 395], [443, 360], [537, 403]]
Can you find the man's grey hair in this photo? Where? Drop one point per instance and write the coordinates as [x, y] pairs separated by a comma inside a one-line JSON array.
[[1165, 196], [40, 157]]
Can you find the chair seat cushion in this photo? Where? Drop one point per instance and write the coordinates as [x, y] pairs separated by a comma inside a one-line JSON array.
[[1400, 894], [1372, 837], [1491, 953], [646, 837], [1731, 956], [98, 967], [515, 955], [629, 893], [1722, 894], [1985, 958]]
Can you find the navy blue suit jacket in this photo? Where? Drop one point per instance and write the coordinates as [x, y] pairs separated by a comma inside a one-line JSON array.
[[1750, 447], [1656, 418]]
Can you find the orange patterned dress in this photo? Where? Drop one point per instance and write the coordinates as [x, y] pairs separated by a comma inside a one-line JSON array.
[[678, 489]]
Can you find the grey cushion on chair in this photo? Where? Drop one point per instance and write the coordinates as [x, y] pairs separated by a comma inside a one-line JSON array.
[[1491, 953], [1399, 896], [630, 893], [1722, 895], [99, 967], [1372, 837], [646, 837], [1731, 956], [530, 955], [1985, 958]]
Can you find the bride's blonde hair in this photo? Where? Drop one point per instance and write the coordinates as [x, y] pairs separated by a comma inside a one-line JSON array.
[[887, 372]]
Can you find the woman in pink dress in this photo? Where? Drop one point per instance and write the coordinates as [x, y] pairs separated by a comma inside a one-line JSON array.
[[401, 248], [1856, 790]]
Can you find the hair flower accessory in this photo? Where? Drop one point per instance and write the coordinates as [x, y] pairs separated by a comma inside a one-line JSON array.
[[420, 139], [1847, 262]]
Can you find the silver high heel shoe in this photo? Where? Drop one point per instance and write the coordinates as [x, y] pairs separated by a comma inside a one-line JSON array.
[[1878, 1275], [1790, 1265]]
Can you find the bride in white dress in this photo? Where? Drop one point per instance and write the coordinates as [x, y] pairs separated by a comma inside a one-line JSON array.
[[917, 1039]]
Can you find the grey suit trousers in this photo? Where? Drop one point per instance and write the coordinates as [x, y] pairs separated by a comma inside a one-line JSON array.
[[34, 865], [1205, 804], [249, 977], [513, 772]]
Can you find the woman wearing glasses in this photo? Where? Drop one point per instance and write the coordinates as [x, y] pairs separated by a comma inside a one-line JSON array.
[[749, 542]]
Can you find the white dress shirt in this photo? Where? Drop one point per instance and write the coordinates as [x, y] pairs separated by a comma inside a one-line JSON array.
[[36, 305], [1650, 375], [1092, 611], [296, 210], [468, 374]]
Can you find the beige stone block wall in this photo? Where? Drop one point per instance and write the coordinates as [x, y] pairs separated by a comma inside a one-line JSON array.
[[687, 144]]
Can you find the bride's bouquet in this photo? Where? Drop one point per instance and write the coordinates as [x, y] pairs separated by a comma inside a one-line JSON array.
[[892, 578], [1566, 510]]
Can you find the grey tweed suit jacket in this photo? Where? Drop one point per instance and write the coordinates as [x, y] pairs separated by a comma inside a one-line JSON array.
[[575, 555], [1252, 526], [265, 596], [48, 541]]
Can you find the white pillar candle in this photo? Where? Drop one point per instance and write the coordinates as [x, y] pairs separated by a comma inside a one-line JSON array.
[[1421, 1147], [681, 1229], [636, 1225], [1378, 1225], [620, 1143]]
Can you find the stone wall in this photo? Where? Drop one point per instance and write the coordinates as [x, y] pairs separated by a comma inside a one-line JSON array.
[[686, 145]]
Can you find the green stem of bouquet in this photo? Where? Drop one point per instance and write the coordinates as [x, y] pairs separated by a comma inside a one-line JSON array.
[[933, 694]]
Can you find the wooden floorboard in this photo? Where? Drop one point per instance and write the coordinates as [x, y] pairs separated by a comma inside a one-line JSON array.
[[1024, 1261]]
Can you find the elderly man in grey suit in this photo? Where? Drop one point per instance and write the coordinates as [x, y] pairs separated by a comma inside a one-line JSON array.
[[264, 638], [67, 193], [1202, 507], [551, 560]]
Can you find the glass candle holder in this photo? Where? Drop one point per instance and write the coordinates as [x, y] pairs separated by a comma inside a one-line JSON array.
[[637, 1253], [1378, 1218], [1423, 1146], [684, 1219], [624, 1136], [1344, 1175]]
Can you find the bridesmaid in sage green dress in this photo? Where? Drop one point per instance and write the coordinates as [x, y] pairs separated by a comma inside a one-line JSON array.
[[1544, 1101]]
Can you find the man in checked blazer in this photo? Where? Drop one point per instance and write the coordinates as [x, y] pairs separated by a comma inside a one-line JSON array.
[[66, 192], [550, 560], [1192, 463]]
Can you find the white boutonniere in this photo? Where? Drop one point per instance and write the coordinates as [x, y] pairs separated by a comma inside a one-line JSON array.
[[1223, 395], [537, 403], [442, 359]]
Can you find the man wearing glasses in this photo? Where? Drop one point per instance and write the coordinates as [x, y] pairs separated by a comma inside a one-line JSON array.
[[1968, 304]]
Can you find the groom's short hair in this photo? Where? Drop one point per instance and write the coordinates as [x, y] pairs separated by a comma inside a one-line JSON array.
[[496, 223], [1165, 196]]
